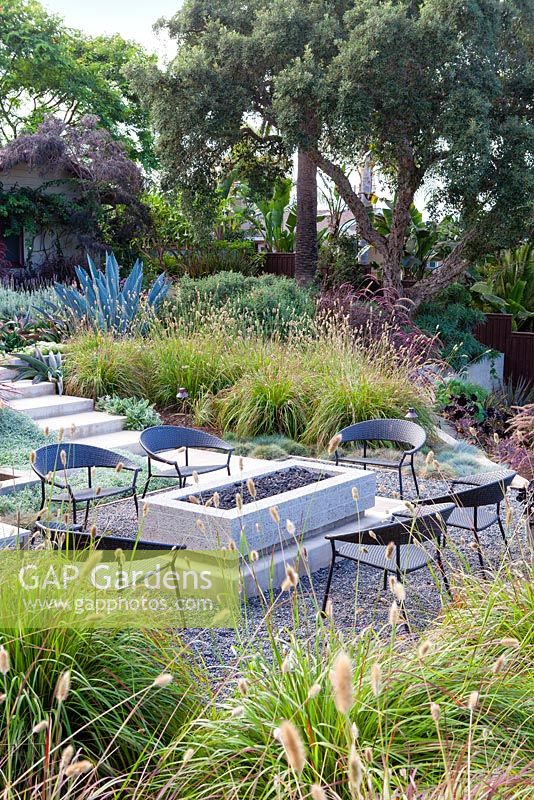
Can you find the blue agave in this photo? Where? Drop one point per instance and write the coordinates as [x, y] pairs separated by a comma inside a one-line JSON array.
[[102, 303]]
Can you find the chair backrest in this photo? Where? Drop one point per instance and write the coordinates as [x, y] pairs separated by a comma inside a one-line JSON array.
[[423, 523], [172, 437], [403, 431], [484, 489], [50, 458]]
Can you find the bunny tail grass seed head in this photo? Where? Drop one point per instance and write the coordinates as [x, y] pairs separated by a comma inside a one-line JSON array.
[[498, 664], [293, 746], [66, 757], [376, 678], [33, 456], [355, 768], [435, 712], [334, 443], [251, 488], [290, 527], [242, 686], [119, 467], [162, 680], [394, 615], [40, 727], [237, 711], [4, 660], [314, 690], [63, 686], [275, 514], [317, 792], [292, 575], [78, 768], [472, 700], [341, 680], [238, 501], [254, 556], [63, 457], [188, 755], [390, 550], [424, 648], [510, 641]]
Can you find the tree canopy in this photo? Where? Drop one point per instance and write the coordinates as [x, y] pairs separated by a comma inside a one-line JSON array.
[[47, 68], [438, 92]]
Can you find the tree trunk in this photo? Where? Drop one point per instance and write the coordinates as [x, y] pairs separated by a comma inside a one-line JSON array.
[[306, 234]]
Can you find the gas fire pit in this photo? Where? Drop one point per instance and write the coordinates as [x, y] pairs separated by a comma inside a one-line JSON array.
[[315, 496]]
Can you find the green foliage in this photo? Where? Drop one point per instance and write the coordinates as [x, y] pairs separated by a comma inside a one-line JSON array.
[[453, 318], [506, 284], [139, 413], [455, 387], [399, 731], [306, 388], [267, 304], [104, 304], [19, 435], [20, 302], [48, 68], [386, 78], [426, 241], [338, 263], [111, 707]]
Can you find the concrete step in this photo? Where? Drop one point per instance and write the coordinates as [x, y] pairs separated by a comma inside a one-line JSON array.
[[26, 389], [121, 440], [81, 426], [51, 407]]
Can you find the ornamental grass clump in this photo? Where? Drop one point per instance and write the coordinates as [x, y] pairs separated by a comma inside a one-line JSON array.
[[375, 715]]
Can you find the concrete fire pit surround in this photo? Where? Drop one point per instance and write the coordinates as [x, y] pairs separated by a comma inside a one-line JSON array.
[[313, 509]]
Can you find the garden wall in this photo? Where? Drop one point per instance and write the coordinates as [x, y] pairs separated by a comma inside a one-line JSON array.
[[518, 348]]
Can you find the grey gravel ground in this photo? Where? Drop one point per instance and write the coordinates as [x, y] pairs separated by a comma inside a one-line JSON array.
[[357, 594]]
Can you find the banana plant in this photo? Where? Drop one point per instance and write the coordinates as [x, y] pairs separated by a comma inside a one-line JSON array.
[[507, 285], [103, 303]]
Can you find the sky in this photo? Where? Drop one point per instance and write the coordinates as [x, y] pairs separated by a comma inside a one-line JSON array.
[[133, 19]]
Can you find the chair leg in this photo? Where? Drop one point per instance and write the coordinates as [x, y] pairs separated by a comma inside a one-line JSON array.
[[415, 479], [74, 513], [400, 484], [501, 527], [441, 567], [385, 579], [136, 501], [329, 579], [479, 552], [145, 490], [87, 509]]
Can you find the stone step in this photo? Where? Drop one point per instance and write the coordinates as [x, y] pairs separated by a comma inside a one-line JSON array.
[[86, 424], [39, 408], [121, 440], [26, 389]]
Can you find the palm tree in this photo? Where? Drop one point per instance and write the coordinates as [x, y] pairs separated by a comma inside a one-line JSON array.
[[306, 238]]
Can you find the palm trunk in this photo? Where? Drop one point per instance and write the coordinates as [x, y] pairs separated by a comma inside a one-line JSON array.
[[306, 234]]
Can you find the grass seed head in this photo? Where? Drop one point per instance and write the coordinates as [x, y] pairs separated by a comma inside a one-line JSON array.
[[510, 641], [188, 755], [355, 768], [334, 443], [275, 514], [251, 487], [237, 711], [78, 768], [242, 686], [66, 757], [376, 678], [435, 712], [390, 550], [162, 680], [290, 527], [195, 477], [293, 746], [317, 792], [394, 615], [4, 660], [254, 555], [341, 680], [292, 575], [40, 727], [238, 501], [498, 665], [424, 649], [63, 686], [119, 467], [472, 700], [314, 690]]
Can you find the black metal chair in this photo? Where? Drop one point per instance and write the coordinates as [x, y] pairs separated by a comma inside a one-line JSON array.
[[397, 431], [161, 438], [54, 462], [407, 530], [471, 496]]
